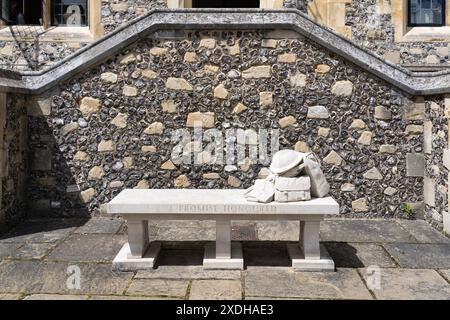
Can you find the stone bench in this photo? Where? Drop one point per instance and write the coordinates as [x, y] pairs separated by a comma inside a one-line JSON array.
[[137, 206]]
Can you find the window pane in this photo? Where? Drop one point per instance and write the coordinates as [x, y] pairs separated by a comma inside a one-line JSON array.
[[426, 12], [69, 12]]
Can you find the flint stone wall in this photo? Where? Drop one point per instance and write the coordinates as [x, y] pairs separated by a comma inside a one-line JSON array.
[[110, 128]]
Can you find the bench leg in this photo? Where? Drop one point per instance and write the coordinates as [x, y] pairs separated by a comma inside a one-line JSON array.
[[309, 255], [138, 237], [223, 239], [309, 239]]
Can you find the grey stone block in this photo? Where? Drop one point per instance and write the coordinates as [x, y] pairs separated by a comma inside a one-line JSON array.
[[427, 137], [187, 272], [158, 287], [429, 191], [216, 290], [423, 231], [420, 256], [415, 165], [358, 255]]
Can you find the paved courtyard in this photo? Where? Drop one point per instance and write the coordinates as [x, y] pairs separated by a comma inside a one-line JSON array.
[[375, 259]]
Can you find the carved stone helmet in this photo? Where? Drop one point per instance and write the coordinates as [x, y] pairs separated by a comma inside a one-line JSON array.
[[285, 160]]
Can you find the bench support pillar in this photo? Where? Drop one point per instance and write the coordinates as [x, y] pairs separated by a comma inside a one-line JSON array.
[[309, 255]]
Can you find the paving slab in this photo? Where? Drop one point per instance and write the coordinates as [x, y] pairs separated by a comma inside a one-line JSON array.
[[158, 287], [363, 230], [446, 274], [101, 225], [32, 251], [52, 277], [10, 296], [7, 249], [285, 283], [266, 254], [411, 284], [420, 255], [358, 255], [130, 298], [88, 248], [216, 290], [278, 230], [56, 297], [423, 232], [40, 231], [187, 272]]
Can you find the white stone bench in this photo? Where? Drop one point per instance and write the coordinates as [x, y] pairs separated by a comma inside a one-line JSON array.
[[137, 206]]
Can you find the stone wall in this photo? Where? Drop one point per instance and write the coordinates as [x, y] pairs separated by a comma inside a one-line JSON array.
[[111, 127], [13, 142]]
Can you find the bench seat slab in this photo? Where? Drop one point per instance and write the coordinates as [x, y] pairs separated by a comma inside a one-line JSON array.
[[124, 261], [299, 263], [235, 262]]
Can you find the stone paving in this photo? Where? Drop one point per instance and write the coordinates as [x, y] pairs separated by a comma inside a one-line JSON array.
[[411, 259]]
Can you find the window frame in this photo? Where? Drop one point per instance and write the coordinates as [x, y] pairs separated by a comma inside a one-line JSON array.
[[410, 24]]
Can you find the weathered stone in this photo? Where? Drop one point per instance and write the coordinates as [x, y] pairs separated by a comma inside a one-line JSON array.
[[68, 128], [211, 68], [168, 165], [80, 156], [239, 108], [109, 77], [429, 191], [88, 195], [155, 128], [257, 72], [302, 146], [148, 149], [432, 59], [263, 173], [234, 182], [158, 287], [211, 176], [178, 84], [348, 187], [142, 184], [318, 112], [220, 92], [365, 138], [129, 58], [216, 290], [96, 173], [169, 106], [269, 43], [389, 191], [149, 74], [190, 57], [208, 43], [373, 174], [416, 51], [119, 7], [427, 137], [388, 148], [287, 58], [106, 146], [245, 164], [265, 99], [342, 88], [297, 80], [333, 158], [156, 51], [202, 119], [120, 120], [129, 91], [413, 129], [181, 181], [420, 255], [357, 124], [234, 50], [322, 69], [323, 132], [360, 205], [415, 165], [287, 121], [116, 184], [128, 162], [414, 111], [392, 56], [382, 113], [89, 105]]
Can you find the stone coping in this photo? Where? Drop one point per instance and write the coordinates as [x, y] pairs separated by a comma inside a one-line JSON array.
[[219, 19]]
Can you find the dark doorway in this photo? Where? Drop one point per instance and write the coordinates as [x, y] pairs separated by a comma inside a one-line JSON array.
[[21, 12], [225, 4]]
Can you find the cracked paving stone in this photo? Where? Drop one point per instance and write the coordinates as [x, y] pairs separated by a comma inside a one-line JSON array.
[[32, 251], [408, 284], [7, 249], [51, 277], [216, 290], [363, 231], [358, 255], [89, 247], [187, 272], [423, 232], [420, 255], [286, 283], [101, 225], [158, 287]]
